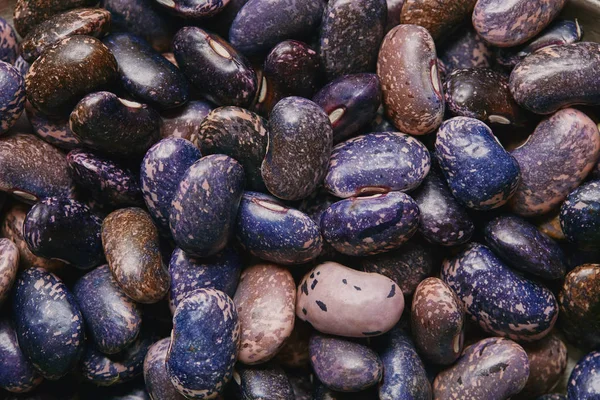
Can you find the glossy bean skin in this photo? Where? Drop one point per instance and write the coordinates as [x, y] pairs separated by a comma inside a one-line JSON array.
[[377, 163], [12, 96], [16, 373], [583, 382], [300, 143], [580, 215], [78, 75], [163, 167], [182, 122], [407, 54], [265, 300], [238, 133], [28, 14], [158, 383], [215, 68], [439, 17], [466, 49], [264, 382], [547, 363], [55, 131], [205, 205], [404, 375], [106, 181], [274, 232], [42, 307], [330, 298], [194, 9], [64, 229], [81, 21], [344, 365], [351, 102], [362, 226], [351, 32], [221, 272], [547, 81], [558, 33], [555, 160], [493, 368], [437, 321], [506, 24], [288, 20], [292, 68], [500, 301], [206, 379], [480, 173], [9, 50], [580, 306], [112, 319], [31, 169], [444, 220], [9, 264], [525, 248]]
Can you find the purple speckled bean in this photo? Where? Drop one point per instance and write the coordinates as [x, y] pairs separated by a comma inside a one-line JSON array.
[[158, 383], [30, 13], [556, 158], [412, 89], [22, 65], [55, 131], [12, 96], [9, 49], [194, 9], [506, 23], [583, 382], [16, 373], [466, 49], [9, 263], [439, 17], [182, 122]]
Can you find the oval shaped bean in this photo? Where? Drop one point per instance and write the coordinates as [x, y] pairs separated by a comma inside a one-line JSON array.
[[580, 215], [555, 160], [412, 89], [465, 49], [547, 363], [131, 245], [9, 264], [55, 131], [30, 13], [264, 382], [583, 382], [341, 301], [9, 49], [500, 301], [377, 163], [158, 383], [439, 17], [194, 8], [16, 373], [12, 96]]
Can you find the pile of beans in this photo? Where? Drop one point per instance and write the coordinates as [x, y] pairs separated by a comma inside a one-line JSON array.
[[299, 199]]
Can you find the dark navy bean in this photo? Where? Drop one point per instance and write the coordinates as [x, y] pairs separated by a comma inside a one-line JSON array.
[[238, 133], [9, 49], [112, 319], [264, 382], [300, 143], [465, 49], [194, 9], [580, 215], [439, 17], [183, 122], [9, 264], [16, 373], [479, 172], [215, 68], [146, 74], [158, 383], [163, 167], [344, 365], [64, 229], [525, 248], [288, 19], [274, 232], [221, 272], [547, 363], [377, 163], [351, 102], [351, 32], [500, 301], [370, 225], [205, 205], [583, 382], [12, 96], [55, 131], [48, 322], [200, 361]]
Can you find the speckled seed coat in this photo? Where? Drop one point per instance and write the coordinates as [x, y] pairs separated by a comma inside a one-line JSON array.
[[182, 122], [583, 382], [492, 368], [351, 32], [439, 17], [377, 163], [506, 23], [9, 264], [205, 205], [556, 158], [195, 9], [29, 13], [579, 301], [48, 322], [130, 242], [8, 42], [82, 21], [465, 49], [17, 375], [547, 363], [344, 365], [267, 381], [558, 76], [55, 131], [67, 71], [12, 96], [217, 343], [362, 226], [580, 215], [158, 383], [437, 321], [112, 319], [500, 301], [238, 133], [31, 169], [411, 84], [300, 143], [480, 173], [265, 300], [274, 232], [341, 301]]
